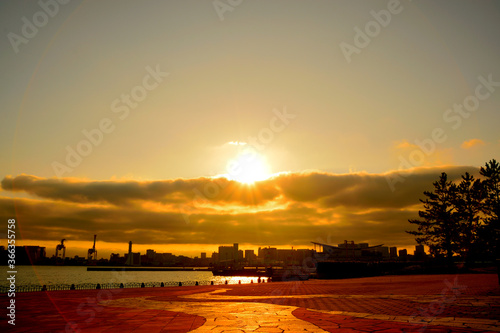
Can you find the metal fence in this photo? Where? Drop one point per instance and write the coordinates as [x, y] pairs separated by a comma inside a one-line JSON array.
[[86, 286]]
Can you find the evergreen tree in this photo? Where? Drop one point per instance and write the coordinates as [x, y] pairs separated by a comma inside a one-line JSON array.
[[469, 210], [438, 226], [491, 230]]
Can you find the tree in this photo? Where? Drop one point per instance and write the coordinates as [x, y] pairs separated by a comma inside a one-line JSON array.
[[469, 212], [438, 227], [491, 230]]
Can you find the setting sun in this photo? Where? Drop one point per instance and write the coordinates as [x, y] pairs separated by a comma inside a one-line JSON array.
[[248, 167]]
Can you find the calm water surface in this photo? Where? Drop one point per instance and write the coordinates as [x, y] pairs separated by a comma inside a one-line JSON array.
[[52, 275]]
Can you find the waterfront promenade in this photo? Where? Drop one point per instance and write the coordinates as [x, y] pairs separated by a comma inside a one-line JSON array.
[[429, 303]]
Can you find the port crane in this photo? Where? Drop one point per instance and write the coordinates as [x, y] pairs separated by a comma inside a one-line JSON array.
[[92, 254], [61, 247]]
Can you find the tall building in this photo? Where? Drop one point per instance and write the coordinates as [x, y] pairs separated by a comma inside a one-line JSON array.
[[403, 254], [229, 253], [268, 254], [250, 256], [419, 252]]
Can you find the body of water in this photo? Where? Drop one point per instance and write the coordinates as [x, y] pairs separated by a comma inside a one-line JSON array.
[[56, 275]]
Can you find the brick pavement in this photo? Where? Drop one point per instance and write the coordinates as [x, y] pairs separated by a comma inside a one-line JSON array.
[[433, 303]]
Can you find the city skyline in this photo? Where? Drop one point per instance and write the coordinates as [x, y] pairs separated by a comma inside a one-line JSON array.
[[225, 255], [71, 252], [183, 125]]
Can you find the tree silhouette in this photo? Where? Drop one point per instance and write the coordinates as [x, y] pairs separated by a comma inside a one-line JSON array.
[[491, 230], [462, 219], [438, 226], [469, 203]]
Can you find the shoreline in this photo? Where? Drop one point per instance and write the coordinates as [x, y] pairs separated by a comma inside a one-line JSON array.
[[146, 269]]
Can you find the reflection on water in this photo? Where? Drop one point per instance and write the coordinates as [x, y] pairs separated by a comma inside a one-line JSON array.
[[53, 275]]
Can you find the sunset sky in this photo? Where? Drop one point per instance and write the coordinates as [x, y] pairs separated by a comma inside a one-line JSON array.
[[148, 121]]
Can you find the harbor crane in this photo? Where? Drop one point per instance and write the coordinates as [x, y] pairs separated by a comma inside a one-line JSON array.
[[61, 247], [92, 254]]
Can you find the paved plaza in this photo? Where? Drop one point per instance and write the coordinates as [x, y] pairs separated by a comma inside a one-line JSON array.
[[424, 303]]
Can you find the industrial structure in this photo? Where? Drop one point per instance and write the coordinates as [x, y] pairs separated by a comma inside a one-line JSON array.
[[133, 259], [92, 253], [61, 247]]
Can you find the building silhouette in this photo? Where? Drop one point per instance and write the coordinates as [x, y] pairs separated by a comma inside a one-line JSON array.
[[133, 258], [230, 254], [403, 254]]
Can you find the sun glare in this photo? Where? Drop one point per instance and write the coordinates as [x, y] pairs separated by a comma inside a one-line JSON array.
[[248, 167]]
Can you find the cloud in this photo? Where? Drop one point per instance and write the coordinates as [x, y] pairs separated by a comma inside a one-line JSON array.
[[362, 190], [121, 193], [405, 144], [472, 143], [288, 209]]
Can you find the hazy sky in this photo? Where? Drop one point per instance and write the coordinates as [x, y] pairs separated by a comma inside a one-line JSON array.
[[115, 114]]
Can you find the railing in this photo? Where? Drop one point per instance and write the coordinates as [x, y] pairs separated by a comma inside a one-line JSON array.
[[87, 286]]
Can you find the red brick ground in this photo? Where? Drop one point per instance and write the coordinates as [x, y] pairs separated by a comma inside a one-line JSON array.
[[468, 285], [340, 323], [81, 311]]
